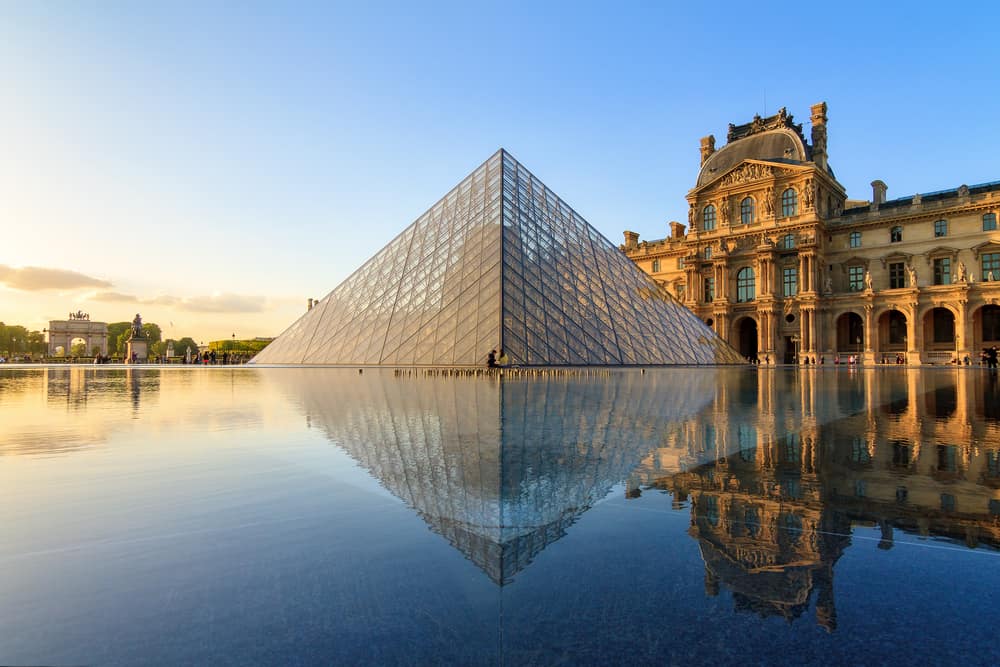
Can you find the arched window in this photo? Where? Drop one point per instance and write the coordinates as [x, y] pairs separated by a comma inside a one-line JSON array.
[[745, 286], [896, 235], [941, 228], [789, 203], [708, 218], [746, 210], [656, 266], [788, 241]]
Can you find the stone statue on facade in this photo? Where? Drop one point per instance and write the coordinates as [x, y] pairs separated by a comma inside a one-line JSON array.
[[868, 280], [724, 210], [828, 283], [962, 274], [912, 273], [769, 201], [809, 193]]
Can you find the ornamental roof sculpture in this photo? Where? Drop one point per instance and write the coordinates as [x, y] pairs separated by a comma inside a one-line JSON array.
[[499, 262]]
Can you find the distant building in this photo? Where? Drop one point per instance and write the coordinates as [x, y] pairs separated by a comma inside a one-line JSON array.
[[786, 268]]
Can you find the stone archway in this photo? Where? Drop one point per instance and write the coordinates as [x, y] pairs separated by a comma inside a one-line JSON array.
[[62, 333], [850, 332], [747, 337], [891, 334], [985, 328], [939, 331]]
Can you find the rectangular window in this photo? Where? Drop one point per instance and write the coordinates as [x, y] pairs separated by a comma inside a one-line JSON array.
[[656, 266], [708, 252], [859, 451], [709, 290], [941, 228], [990, 222], [855, 239], [947, 502], [991, 266], [942, 271], [947, 458], [855, 278], [897, 276], [900, 454], [791, 281], [680, 262]]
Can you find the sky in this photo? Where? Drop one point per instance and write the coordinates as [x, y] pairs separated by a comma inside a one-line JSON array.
[[214, 165]]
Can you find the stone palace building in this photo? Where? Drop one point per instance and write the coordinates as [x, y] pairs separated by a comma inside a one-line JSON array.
[[786, 268]]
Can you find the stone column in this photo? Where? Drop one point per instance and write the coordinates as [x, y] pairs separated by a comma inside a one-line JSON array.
[[963, 331], [869, 357], [912, 343]]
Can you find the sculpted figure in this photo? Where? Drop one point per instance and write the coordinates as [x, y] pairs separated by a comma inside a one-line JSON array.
[[868, 279], [912, 272], [962, 273]]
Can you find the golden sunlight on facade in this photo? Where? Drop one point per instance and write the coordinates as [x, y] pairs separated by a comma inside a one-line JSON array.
[[786, 268]]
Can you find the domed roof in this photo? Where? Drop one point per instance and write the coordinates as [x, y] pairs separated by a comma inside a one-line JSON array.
[[781, 145]]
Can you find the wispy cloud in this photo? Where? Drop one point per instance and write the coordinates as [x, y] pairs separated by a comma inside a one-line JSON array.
[[35, 278], [216, 303]]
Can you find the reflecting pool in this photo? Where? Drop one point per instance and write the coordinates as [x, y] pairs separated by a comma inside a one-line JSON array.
[[318, 516]]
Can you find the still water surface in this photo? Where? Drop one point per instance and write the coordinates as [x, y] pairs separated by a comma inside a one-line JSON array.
[[316, 516]]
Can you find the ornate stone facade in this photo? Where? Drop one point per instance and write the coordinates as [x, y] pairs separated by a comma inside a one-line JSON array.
[[787, 269]]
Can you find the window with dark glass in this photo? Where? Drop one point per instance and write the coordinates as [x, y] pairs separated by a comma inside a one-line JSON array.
[[900, 454], [942, 271], [791, 281], [941, 228], [789, 203], [947, 456], [746, 210], [990, 222], [991, 266], [859, 451], [708, 252], [896, 235], [708, 218], [656, 266], [745, 288], [855, 278], [944, 325], [897, 275], [947, 502], [788, 241], [709, 290], [855, 239]]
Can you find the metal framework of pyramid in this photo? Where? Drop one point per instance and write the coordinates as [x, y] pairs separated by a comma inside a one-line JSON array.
[[499, 262]]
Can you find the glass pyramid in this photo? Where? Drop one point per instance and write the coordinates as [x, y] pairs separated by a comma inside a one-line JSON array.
[[499, 262]]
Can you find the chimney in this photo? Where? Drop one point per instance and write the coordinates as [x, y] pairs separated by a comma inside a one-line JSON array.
[[631, 240], [819, 134], [878, 194], [707, 147], [310, 305], [676, 229]]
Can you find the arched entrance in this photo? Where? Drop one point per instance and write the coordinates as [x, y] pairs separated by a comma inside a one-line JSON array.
[[746, 338], [986, 327], [939, 335], [850, 334], [891, 335]]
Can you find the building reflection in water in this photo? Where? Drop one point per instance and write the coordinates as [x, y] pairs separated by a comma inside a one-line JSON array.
[[773, 501], [779, 467]]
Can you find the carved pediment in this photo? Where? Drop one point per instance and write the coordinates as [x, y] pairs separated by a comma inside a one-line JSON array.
[[938, 252], [903, 257], [751, 171], [987, 247], [854, 261]]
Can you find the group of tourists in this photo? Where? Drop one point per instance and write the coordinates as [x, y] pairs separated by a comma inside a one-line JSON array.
[[495, 361]]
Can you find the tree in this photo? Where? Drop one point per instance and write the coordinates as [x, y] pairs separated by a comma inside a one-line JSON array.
[[116, 344], [184, 344], [152, 331], [78, 350]]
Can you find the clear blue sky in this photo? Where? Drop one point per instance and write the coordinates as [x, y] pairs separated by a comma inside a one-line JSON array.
[[213, 165]]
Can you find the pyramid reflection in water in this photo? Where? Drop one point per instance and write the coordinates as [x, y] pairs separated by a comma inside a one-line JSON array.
[[499, 262], [500, 468]]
